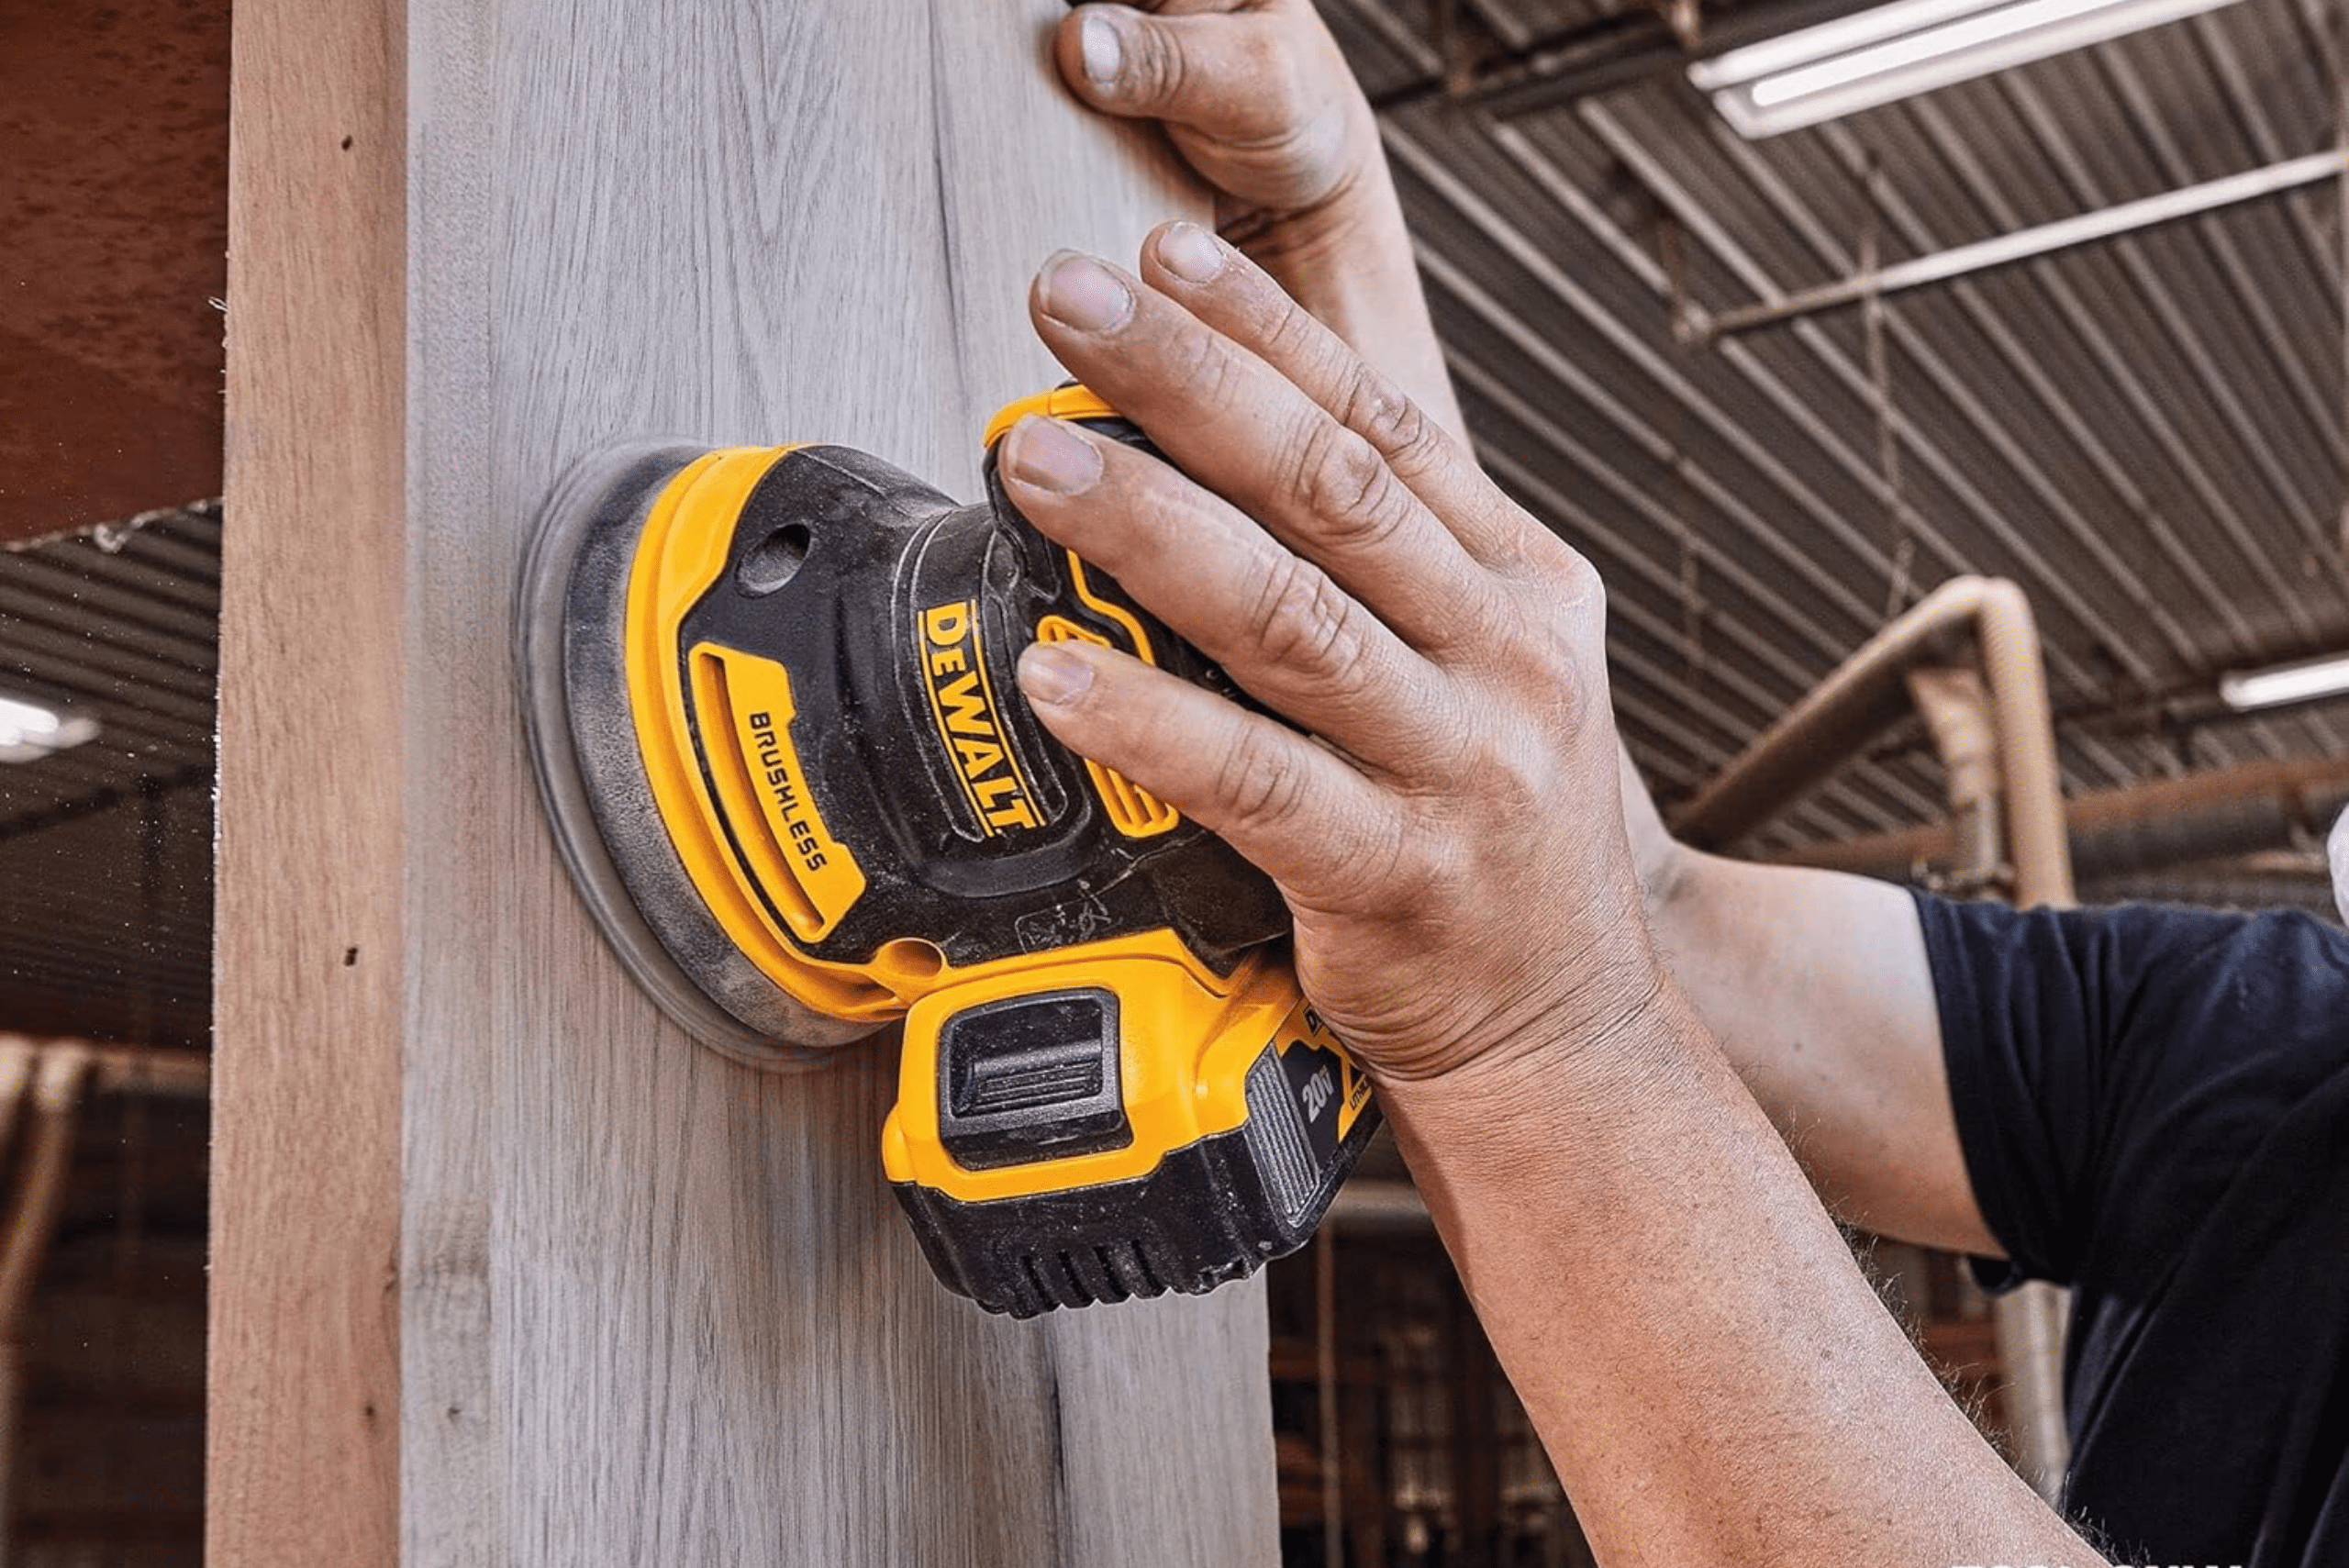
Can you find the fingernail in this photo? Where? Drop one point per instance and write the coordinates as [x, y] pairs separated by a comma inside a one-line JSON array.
[[1190, 253], [1083, 293], [1048, 455], [1104, 51], [1052, 675]]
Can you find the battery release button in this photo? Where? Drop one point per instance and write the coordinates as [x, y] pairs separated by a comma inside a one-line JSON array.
[[1032, 1078]]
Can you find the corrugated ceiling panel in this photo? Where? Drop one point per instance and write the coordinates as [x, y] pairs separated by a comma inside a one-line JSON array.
[[2145, 432], [106, 849]]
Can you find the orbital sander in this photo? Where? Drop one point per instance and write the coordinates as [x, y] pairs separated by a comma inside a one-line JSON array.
[[771, 699]]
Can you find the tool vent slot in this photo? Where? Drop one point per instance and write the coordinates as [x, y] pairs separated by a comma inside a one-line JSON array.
[[1132, 810], [1276, 1138], [747, 809]]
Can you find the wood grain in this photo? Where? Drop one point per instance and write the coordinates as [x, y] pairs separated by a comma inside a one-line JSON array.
[[657, 1307], [303, 1417]]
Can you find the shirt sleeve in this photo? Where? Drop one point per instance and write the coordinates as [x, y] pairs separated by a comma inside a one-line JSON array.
[[2111, 1069]]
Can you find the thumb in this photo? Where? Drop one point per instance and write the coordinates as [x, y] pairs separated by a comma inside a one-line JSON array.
[[1214, 71]]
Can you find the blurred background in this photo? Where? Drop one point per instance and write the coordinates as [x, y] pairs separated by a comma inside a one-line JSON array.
[[1780, 357]]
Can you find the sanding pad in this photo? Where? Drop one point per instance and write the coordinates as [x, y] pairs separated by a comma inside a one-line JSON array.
[[583, 742]]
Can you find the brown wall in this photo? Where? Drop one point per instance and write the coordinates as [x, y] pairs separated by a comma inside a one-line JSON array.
[[114, 204]]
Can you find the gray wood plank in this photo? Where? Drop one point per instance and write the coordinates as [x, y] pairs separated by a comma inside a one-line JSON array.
[[657, 1307]]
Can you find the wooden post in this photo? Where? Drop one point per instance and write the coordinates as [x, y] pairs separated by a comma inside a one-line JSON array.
[[507, 1271]]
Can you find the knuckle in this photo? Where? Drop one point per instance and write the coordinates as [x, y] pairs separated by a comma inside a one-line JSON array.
[[1283, 72], [1413, 443], [1451, 745], [1290, 331], [1267, 63], [1260, 784], [1348, 486], [1205, 367], [1580, 586], [1302, 620], [1376, 408], [1157, 73]]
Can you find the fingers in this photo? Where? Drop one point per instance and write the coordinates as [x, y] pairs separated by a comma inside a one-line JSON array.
[[1290, 807], [1220, 68], [1232, 294], [1274, 622], [1247, 432]]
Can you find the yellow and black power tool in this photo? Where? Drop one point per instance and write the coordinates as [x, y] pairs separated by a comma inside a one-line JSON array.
[[771, 699]]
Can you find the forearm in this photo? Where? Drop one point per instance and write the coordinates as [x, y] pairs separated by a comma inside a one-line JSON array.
[[1707, 1370], [1349, 262]]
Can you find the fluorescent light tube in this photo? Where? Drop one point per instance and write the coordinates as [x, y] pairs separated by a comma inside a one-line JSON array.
[[29, 732], [1895, 51], [2281, 683]]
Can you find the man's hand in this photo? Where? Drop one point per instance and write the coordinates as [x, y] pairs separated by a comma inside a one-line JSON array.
[[1711, 1376], [1449, 836], [1254, 93]]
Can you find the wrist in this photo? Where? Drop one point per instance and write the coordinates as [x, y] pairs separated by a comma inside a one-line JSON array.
[[1613, 1030], [1562, 1104], [1663, 863]]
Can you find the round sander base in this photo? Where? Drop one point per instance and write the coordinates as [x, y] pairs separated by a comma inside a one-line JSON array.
[[568, 631]]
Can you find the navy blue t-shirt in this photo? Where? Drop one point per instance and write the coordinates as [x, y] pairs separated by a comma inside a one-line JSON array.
[[2154, 1105]]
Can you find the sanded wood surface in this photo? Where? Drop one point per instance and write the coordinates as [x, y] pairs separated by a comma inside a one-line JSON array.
[[657, 1307], [303, 1373]]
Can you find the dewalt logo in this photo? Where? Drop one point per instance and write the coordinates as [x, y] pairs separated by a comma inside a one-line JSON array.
[[962, 703]]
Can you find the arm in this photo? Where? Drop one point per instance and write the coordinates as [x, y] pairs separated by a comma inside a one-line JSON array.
[[1814, 983], [1713, 1378]]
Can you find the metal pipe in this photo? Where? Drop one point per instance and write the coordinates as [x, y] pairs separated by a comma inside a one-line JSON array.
[[2029, 1321], [2144, 828], [2188, 331], [17, 1060], [1614, 52], [1376, 1204], [1868, 694], [1325, 1371], [117, 1069], [1992, 326], [2225, 886], [2150, 118], [2023, 244], [2020, 539], [1732, 435], [1956, 711], [55, 1095]]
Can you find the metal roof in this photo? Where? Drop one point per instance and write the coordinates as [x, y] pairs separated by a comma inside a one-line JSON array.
[[106, 849], [2145, 433]]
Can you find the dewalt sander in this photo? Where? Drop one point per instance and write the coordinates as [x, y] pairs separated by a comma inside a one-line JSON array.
[[770, 695]]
